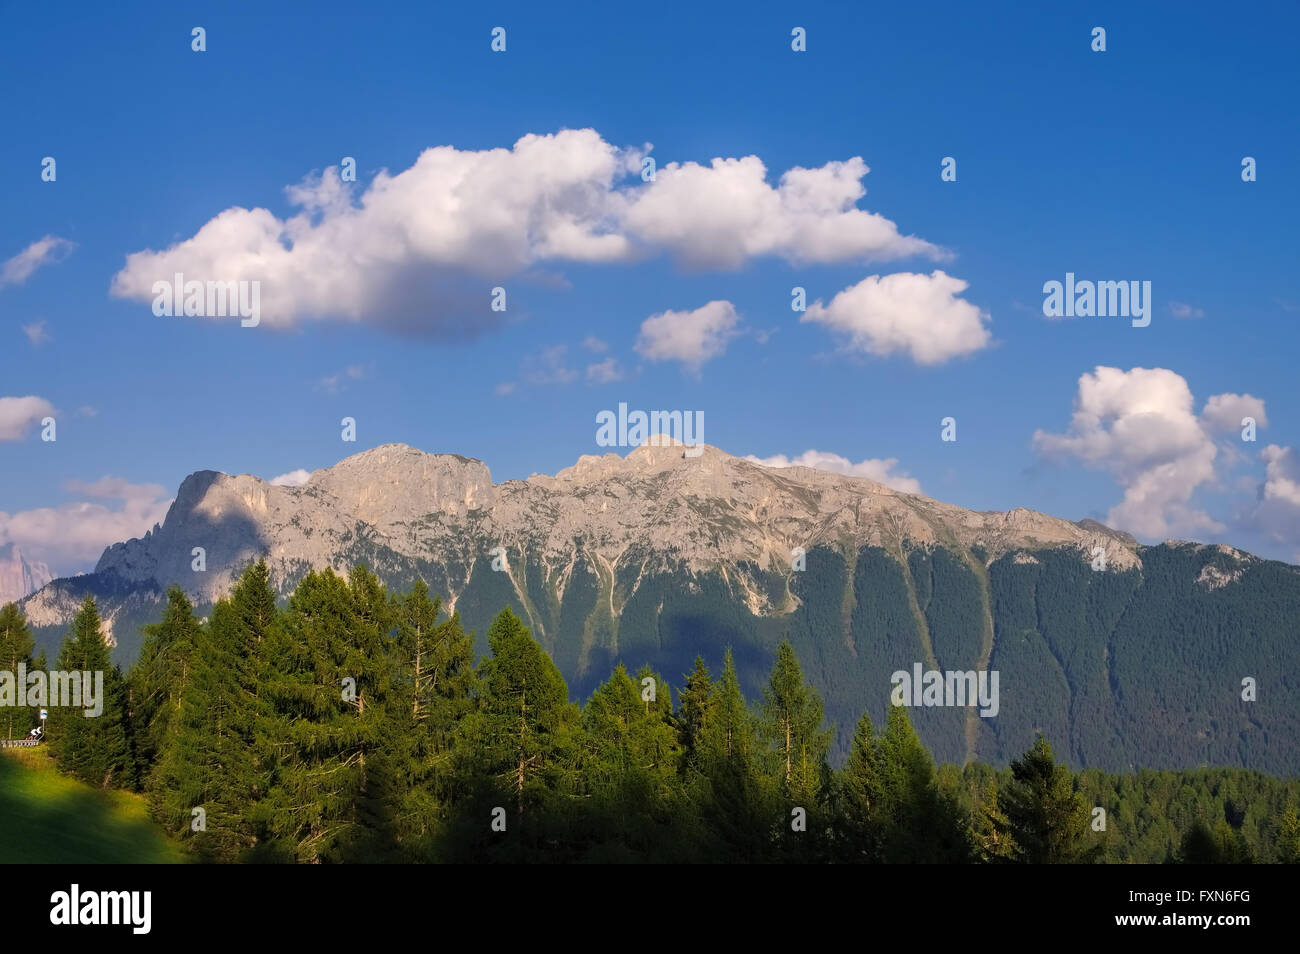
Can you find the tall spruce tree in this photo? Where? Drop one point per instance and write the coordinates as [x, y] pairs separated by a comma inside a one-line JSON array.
[[93, 748], [215, 768], [1047, 821], [434, 682], [521, 738], [694, 703], [328, 686], [371, 650], [16, 647], [858, 799], [737, 806], [158, 681]]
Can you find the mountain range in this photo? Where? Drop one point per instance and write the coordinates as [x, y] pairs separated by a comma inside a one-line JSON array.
[[1124, 655]]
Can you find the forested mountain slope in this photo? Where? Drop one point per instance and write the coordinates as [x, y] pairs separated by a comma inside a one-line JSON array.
[[657, 557]]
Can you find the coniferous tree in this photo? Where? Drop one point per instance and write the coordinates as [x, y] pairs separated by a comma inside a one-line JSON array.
[[655, 733], [256, 616], [629, 766], [792, 724], [435, 680], [93, 748], [1221, 845], [158, 681], [858, 830], [520, 740], [991, 829], [695, 702], [216, 765], [328, 685], [730, 733], [1288, 839], [797, 755], [905, 775], [370, 651], [916, 821], [16, 647], [118, 698], [251, 725], [738, 809], [1198, 846], [1047, 821]]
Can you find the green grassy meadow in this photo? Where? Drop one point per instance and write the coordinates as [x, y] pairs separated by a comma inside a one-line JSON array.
[[48, 818]]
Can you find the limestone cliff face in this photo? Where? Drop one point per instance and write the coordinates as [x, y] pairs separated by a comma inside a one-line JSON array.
[[655, 506], [18, 575]]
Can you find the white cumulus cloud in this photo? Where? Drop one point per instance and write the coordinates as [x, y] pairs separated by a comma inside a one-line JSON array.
[[1282, 475], [421, 249], [1224, 412], [920, 316], [877, 469], [18, 414], [691, 337], [1141, 426], [294, 478], [1275, 512], [71, 537], [724, 214]]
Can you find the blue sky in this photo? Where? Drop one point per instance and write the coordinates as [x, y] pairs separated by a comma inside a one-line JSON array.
[[1115, 165]]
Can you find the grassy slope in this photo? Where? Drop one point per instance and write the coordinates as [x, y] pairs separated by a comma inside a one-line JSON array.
[[46, 818]]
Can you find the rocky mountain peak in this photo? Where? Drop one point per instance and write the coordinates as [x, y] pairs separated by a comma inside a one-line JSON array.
[[395, 483], [18, 575], [699, 507]]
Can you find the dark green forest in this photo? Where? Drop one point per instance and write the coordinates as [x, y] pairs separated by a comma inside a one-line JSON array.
[[357, 724], [1121, 670]]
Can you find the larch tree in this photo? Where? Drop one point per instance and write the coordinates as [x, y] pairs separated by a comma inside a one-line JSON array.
[[792, 717]]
